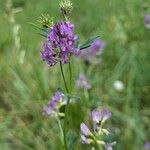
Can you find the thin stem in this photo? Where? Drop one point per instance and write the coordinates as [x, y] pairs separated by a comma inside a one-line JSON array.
[[65, 119], [62, 72], [61, 130], [68, 101], [86, 93], [70, 76], [65, 122]]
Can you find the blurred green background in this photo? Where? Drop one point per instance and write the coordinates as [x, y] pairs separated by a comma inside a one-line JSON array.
[[26, 83]]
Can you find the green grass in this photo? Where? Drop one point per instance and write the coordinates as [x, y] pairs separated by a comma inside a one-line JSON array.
[[25, 88]]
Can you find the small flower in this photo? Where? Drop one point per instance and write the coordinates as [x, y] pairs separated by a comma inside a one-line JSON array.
[[84, 140], [118, 85], [53, 106], [60, 44], [147, 146], [105, 114], [82, 82], [89, 54], [147, 21], [96, 116], [48, 54], [108, 146], [84, 129]]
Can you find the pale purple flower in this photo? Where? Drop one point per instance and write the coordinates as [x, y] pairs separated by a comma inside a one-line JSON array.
[[89, 54], [108, 147], [97, 116], [84, 139], [52, 105], [60, 44], [82, 82], [84, 129], [147, 21], [147, 146], [47, 110]]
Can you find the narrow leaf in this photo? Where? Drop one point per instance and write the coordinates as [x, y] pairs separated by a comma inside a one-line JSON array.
[[73, 96], [88, 43], [40, 28]]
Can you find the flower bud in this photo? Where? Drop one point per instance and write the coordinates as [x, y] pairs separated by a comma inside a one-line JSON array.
[[65, 7], [46, 21]]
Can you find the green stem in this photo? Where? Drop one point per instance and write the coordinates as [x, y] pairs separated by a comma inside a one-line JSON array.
[[68, 101], [86, 94], [65, 122], [62, 72], [61, 130], [65, 119], [70, 76]]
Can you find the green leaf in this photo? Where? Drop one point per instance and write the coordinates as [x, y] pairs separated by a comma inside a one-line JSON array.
[[44, 29], [88, 43], [43, 34], [73, 96]]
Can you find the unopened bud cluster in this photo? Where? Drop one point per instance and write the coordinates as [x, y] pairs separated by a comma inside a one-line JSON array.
[[46, 21], [65, 7]]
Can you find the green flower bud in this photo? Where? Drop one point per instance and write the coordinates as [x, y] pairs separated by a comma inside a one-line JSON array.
[[65, 7], [46, 21]]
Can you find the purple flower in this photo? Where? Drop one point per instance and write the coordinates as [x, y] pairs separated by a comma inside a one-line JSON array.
[[60, 44], [48, 54], [52, 105], [147, 146], [106, 114], [84, 129], [89, 54], [147, 21], [96, 116], [82, 82]]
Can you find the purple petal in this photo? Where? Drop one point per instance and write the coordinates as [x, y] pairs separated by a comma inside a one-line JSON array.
[[96, 116], [84, 129], [105, 114], [147, 21], [89, 54], [84, 140], [47, 110], [53, 103], [82, 82], [108, 147], [147, 146]]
